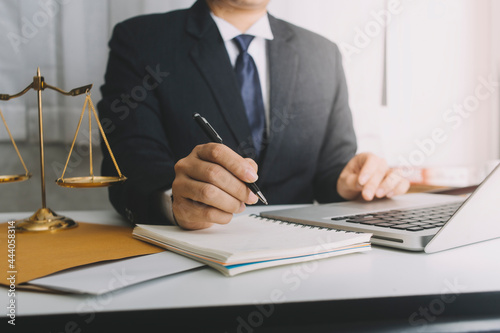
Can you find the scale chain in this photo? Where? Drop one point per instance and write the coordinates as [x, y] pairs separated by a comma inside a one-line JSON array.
[[14, 143]]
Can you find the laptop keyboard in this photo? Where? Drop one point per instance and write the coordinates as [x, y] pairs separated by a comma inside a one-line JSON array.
[[408, 219]]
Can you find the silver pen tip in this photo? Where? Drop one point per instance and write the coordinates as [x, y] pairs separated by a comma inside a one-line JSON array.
[[262, 198]]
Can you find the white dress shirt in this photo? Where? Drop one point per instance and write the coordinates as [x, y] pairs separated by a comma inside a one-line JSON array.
[[258, 50]]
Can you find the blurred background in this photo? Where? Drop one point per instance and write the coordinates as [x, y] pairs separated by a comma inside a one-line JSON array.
[[422, 75]]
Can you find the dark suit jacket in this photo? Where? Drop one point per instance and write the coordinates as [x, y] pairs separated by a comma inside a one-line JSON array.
[[164, 67]]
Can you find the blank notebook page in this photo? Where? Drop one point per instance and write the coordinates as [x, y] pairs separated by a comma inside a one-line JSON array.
[[250, 236]]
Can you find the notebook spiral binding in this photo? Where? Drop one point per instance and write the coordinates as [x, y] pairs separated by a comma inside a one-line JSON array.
[[302, 225]]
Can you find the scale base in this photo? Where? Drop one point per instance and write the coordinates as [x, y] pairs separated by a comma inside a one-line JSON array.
[[45, 220]]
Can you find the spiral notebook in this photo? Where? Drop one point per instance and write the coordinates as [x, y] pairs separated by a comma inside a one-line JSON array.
[[252, 242]]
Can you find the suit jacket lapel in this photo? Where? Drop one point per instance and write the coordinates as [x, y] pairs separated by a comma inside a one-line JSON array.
[[283, 64], [210, 56]]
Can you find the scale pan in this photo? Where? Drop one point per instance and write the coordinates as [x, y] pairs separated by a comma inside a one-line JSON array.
[[89, 181], [14, 178]]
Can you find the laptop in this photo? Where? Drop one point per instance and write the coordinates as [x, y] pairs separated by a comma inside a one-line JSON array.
[[415, 221]]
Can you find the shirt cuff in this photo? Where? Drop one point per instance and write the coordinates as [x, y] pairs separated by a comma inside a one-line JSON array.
[[167, 206]]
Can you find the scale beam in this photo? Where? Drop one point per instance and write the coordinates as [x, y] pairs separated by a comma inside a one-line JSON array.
[[5, 97], [73, 92]]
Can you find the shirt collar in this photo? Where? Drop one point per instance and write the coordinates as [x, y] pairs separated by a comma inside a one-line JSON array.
[[261, 28]]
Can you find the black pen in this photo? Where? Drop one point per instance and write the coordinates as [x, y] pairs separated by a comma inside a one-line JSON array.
[[215, 137]]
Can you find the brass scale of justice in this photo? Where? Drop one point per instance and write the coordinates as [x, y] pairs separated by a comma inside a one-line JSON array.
[[44, 219]]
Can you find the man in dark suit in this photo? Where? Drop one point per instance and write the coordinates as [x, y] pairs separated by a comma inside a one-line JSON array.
[[162, 68]]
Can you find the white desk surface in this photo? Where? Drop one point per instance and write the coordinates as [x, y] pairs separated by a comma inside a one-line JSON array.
[[381, 272]]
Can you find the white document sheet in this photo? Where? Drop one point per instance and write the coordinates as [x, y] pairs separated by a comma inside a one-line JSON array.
[[100, 278]]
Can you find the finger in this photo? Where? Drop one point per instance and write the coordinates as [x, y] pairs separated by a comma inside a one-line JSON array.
[[217, 175], [207, 194], [390, 182], [401, 188], [373, 183], [253, 163], [355, 164], [230, 160], [350, 184], [372, 164], [195, 215]]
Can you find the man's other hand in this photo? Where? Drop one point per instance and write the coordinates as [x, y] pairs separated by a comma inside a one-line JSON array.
[[209, 186], [368, 176]]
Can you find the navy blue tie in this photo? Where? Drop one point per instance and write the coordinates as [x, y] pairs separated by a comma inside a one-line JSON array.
[[251, 92]]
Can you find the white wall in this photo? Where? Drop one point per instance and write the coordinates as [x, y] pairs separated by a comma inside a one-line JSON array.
[[438, 52]]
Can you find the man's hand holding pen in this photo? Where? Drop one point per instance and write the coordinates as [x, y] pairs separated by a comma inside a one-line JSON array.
[[209, 186]]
